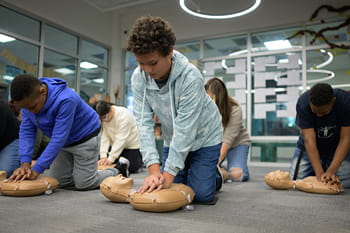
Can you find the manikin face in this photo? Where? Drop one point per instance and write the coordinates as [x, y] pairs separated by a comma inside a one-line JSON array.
[[154, 64], [36, 101], [321, 111]]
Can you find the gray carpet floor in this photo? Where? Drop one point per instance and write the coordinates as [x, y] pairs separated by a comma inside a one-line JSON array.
[[247, 207]]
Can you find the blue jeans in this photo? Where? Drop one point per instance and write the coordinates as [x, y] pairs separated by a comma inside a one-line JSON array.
[[306, 169], [237, 158], [200, 172], [9, 158]]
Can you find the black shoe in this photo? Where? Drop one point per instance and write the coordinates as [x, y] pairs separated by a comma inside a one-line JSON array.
[[123, 165]]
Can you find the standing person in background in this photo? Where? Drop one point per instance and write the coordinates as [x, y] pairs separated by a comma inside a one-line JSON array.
[[73, 126], [166, 84], [119, 133], [236, 141], [323, 147], [9, 129]]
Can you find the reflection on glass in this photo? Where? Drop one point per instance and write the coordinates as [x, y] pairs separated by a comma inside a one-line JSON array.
[[333, 36], [17, 57], [93, 83], [13, 21], [276, 80], [61, 40], [233, 73], [226, 46], [276, 38], [60, 66], [94, 52], [328, 65], [190, 50]]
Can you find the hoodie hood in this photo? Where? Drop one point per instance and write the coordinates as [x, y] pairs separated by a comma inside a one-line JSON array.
[[54, 87], [176, 69]]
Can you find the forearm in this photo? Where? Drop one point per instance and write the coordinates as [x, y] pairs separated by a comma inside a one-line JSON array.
[[223, 152], [314, 158], [339, 156]]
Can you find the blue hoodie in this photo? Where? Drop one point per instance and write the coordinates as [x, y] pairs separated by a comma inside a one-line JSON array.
[[190, 119], [65, 118]]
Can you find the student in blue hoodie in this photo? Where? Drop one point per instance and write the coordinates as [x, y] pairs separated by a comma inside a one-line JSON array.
[[73, 126], [167, 85]]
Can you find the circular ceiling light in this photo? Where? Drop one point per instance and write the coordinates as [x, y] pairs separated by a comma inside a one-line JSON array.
[[228, 16]]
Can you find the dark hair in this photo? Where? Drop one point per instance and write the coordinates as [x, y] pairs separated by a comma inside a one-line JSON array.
[[321, 94], [149, 34], [102, 107], [23, 86], [14, 108], [223, 101]]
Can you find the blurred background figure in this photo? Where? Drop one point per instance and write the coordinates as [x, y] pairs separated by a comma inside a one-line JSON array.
[[9, 130], [119, 136]]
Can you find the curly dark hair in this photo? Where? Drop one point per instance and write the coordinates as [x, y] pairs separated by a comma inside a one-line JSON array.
[[321, 94], [23, 86], [149, 34]]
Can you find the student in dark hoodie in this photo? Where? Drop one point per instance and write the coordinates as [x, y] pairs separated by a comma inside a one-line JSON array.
[[73, 126]]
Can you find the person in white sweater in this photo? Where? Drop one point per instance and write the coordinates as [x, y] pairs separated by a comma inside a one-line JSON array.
[[236, 141], [119, 136]]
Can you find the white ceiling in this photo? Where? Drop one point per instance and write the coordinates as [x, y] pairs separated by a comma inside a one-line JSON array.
[[110, 5]]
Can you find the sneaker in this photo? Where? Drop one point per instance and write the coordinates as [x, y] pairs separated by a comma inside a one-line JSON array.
[[123, 165]]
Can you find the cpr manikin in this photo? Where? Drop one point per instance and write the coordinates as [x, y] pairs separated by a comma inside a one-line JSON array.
[[119, 189], [280, 180], [26, 188]]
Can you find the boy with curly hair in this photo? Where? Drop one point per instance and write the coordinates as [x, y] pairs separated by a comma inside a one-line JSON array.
[[166, 84]]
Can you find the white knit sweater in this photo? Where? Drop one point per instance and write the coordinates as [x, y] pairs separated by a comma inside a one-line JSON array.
[[120, 132]]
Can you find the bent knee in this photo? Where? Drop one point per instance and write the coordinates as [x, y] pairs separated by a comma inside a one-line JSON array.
[[236, 174]]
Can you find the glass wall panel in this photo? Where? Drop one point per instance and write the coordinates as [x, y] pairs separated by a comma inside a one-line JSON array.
[[333, 36], [226, 46], [272, 151], [13, 21], [275, 40], [276, 80], [17, 57], [61, 40], [60, 66], [93, 82], [234, 74], [94, 52], [191, 49], [329, 65]]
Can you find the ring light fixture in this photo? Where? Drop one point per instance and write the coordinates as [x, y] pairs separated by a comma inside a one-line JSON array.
[[227, 16]]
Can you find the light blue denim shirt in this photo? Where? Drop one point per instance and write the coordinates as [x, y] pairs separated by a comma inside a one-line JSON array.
[[190, 119]]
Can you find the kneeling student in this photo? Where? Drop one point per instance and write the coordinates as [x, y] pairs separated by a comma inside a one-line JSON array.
[[74, 128], [119, 133]]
